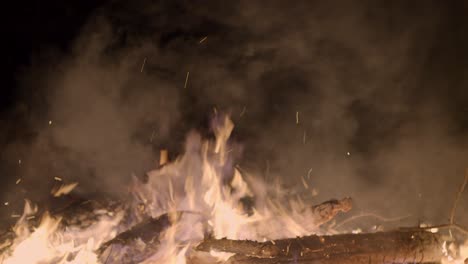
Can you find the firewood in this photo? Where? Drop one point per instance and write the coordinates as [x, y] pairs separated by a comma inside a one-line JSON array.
[[382, 247], [341, 260], [401, 246], [148, 231], [326, 211]]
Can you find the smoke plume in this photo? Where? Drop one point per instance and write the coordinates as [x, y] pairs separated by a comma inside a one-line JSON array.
[[364, 99]]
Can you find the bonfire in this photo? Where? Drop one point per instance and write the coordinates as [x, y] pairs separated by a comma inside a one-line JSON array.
[[200, 208]]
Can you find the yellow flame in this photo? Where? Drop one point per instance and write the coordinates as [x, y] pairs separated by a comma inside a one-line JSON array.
[[47, 243], [197, 185]]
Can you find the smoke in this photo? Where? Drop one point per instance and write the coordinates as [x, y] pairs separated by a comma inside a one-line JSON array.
[[350, 97]]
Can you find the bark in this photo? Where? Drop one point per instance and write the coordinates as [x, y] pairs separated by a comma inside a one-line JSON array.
[[384, 247], [148, 231], [401, 246]]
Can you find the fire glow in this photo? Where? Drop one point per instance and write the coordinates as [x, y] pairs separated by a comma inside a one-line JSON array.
[[201, 194]]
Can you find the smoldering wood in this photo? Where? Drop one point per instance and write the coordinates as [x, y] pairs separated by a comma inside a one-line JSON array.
[[375, 248], [148, 231], [344, 260], [326, 211], [399, 246]]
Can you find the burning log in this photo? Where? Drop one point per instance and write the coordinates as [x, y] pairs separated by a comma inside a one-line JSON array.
[[152, 227], [148, 231], [326, 211], [401, 246]]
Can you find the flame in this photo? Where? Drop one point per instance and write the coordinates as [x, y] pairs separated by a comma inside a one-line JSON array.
[[38, 245], [200, 182], [50, 244], [203, 185], [454, 254]]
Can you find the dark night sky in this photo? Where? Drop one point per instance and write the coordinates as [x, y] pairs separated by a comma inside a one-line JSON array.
[[384, 80], [34, 26]]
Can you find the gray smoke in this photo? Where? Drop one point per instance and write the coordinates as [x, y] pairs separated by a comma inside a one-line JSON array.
[[350, 96]]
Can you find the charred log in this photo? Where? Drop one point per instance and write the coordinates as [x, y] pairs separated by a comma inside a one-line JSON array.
[[383, 247], [148, 231]]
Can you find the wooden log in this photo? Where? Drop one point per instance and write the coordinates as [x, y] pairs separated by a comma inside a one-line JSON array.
[[416, 246], [148, 230], [336, 260], [400, 246], [326, 211], [82, 213]]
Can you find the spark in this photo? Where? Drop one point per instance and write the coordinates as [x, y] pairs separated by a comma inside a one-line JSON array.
[[64, 189], [297, 117], [6, 203], [19, 161], [347, 153], [57, 178], [50, 122], [15, 216], [309, 173], [304, 183], [30, 217], [18, 181], [143, 65], [243, 111], [186, 80], [314, 192], [203, 39]]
